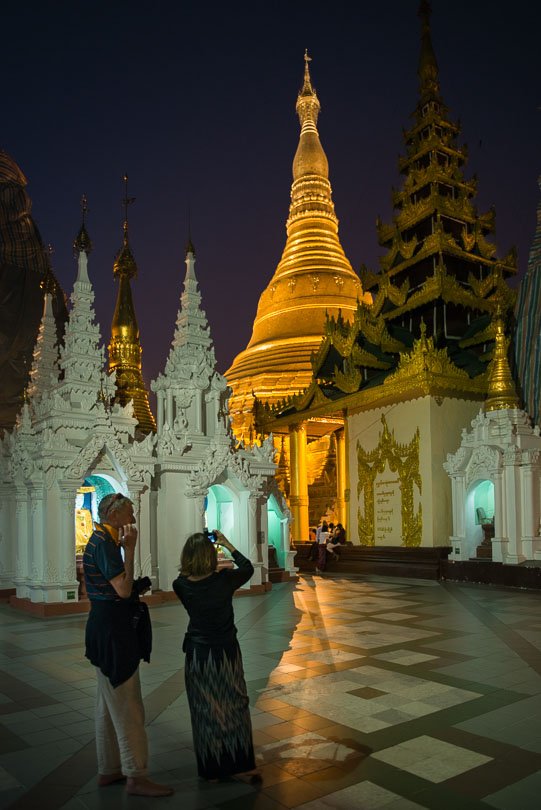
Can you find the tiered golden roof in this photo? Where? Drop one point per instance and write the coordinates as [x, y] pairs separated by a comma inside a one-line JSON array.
[[313, 278], [125, 347]]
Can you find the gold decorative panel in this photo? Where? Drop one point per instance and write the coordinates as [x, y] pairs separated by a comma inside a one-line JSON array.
[[376, 508]]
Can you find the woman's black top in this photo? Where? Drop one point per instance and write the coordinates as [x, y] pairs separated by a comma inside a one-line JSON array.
[[209, 603], [118, 631]]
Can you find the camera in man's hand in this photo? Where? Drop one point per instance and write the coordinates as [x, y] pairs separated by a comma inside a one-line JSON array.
[[141, 585]]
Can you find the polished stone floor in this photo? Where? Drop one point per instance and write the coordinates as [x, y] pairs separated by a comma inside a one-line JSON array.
[[370, 692]]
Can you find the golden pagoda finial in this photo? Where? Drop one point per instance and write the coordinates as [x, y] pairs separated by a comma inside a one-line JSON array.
[[82, 241], [309, 157], [48, 284], [125, 263], [502, 393], [428, 70], [125, 347], [126, 202], [307, 89]]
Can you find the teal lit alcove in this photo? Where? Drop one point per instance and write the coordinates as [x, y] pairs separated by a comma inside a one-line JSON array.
[[219, 511], [275, 527], [483, 502]]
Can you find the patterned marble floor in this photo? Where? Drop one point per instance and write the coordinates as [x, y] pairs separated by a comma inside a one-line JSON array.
[[366, 693]]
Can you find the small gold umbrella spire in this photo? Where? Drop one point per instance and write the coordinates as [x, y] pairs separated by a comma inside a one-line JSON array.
[[502, 393], [125, 348], [82, 242]]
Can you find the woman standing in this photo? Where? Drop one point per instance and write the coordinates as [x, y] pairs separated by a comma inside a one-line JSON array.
[[215, 686], [322, 535]]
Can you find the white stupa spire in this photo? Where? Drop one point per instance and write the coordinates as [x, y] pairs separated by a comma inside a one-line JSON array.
[[191, 349], [81, 356], [192, 327], [190, 382], [44, 371]]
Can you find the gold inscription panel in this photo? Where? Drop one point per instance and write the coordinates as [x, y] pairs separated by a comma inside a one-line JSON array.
[[388, 475]]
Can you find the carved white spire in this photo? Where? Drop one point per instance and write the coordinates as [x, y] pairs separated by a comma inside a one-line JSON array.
[[44, 371], [192, 329], [191, 356], [189, 389], [81, 356]]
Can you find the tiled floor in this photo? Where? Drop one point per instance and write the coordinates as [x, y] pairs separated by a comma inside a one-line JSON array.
[[366, 693]]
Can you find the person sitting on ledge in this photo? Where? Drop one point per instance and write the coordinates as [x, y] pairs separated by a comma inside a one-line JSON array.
[[337, 540]]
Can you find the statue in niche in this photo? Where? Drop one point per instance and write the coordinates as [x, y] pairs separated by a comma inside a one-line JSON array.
[[181, 423]]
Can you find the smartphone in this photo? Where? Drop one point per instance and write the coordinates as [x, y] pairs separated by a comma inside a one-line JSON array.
[[212, 536]]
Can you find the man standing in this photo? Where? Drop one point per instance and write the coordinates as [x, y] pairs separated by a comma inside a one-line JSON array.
[[118, 636]]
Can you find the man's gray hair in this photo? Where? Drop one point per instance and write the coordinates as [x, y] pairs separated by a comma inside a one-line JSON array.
[[112, 503]]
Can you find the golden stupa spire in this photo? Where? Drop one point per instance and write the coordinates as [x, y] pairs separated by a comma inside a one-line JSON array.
[[310, 159], [125, 348], [502, 393], [313, 278], [428, 70]]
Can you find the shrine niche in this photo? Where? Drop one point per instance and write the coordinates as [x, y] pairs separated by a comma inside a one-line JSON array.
[[87, 500], [389, 489], [496, 489]]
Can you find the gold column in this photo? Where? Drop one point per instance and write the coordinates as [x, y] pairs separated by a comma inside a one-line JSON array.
[[341, 476], [298, 496]]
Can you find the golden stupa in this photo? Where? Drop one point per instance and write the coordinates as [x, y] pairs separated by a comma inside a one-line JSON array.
[[313, 277], [502, 393], [125, 347]]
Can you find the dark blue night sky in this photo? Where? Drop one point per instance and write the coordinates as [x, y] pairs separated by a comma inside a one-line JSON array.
[[196, 101]]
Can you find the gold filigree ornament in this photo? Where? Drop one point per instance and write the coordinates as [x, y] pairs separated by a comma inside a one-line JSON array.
[[348, 380], [468, 240], [425, 366], [402, 459]]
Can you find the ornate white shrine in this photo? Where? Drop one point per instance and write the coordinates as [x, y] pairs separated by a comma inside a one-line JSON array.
[[189, 474], [496, 475]]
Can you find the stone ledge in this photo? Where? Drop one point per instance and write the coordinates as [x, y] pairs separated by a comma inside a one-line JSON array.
[[46, 610], [393, 561], [483, 572]]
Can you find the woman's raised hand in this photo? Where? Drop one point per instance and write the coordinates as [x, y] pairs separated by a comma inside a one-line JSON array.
[[223, 541]]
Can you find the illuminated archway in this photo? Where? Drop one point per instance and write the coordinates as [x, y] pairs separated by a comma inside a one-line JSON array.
[[275, 518], [479, 512], [220, 510]]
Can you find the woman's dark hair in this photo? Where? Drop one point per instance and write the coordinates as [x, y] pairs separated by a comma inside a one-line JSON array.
[[199, 556], [324, 526]]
